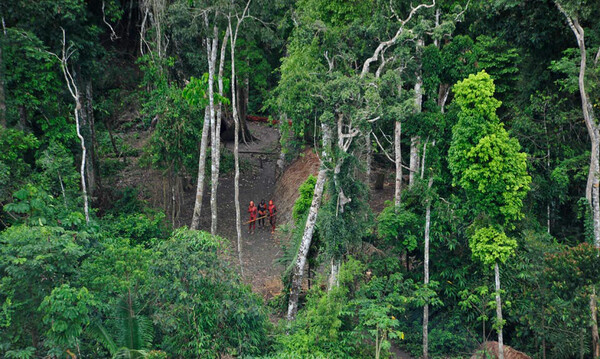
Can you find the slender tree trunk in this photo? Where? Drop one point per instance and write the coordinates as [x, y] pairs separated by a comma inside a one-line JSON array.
[[398, 160], [592, 192], [89, 133], [201, 171], [236, 156], [74, 90], [415, 140], [335, 270], [212, 59], [499, 312], [216, 146], [86, 208], [309, 228], [426, 275], [369, 157]]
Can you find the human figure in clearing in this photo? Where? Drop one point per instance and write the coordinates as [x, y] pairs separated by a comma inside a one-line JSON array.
[[272, 215], [253, 211], [262, 213]]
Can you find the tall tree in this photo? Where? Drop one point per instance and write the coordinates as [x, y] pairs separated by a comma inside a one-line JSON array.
[[236, 153], [487, 164], [574, 14]]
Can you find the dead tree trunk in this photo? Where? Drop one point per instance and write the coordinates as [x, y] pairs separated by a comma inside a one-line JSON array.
[[311, 220]]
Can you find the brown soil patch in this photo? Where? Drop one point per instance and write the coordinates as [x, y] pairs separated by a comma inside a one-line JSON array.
[[287, 187], [490, 350]]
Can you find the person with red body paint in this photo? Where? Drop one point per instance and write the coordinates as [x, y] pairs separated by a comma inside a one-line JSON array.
[[272, 215], [253, 212]]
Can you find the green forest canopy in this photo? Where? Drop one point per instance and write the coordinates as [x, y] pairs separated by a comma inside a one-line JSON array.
[[494, 108]]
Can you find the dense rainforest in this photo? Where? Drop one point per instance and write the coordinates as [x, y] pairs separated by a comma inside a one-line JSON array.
[[449, 206]]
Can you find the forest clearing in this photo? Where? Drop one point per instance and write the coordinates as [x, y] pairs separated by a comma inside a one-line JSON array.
[[299, 179]]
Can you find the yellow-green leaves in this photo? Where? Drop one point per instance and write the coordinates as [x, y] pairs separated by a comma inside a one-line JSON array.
[[484, 160], [491, 245]]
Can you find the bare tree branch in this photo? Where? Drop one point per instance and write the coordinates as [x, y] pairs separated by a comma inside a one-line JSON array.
[[113, 34], [384, 45]]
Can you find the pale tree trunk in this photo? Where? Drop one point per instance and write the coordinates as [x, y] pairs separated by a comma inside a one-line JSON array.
[[333, 277], [443, 93], [212, 59], [592, 192], [311, 220], [499, 312], [201, 171], [398, 162], [236, 142], [426, 274], [74, 91], [415, 140], [369, 157], [216, 145]]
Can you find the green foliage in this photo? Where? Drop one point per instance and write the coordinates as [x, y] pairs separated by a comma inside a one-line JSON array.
[[15, 147], [302, 204], [140, 228], [199, 296], [499, 60], [66, 312], [497, 176], [483, 159], [492, 246], [399, 226], [33, 261]]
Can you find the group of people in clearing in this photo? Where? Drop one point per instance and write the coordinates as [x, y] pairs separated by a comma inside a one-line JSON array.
[[260, 213]]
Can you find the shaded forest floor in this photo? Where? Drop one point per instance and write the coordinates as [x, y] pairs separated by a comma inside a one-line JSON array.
[[257, 181]]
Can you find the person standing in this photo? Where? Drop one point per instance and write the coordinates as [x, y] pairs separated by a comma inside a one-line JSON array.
[[253, 211], [272, 215], [262, 213]]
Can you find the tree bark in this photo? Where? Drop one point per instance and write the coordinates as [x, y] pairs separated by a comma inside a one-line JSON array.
[[426, 275], [88, 124], [499, 312], [216, 145], [398, 162], [309, 228], [592, 193], [74, 91], [201, 171], [369, 158], [333, 277], [212, 59], [236, 156]]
